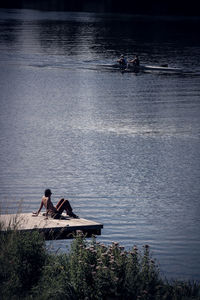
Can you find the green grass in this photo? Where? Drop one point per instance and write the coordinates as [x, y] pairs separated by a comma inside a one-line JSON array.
[[90, 270]]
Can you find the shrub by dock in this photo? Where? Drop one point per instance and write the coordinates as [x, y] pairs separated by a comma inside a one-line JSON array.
[[90, 270]]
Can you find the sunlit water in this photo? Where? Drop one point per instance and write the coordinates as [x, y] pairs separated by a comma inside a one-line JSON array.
[[124, 148]]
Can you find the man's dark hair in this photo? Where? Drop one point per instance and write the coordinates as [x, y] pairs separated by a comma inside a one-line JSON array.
[[47, 192]]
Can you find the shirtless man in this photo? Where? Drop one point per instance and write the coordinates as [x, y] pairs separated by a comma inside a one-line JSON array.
[[51, 210]]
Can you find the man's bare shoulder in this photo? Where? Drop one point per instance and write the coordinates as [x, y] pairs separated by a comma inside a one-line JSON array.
[[44, 199]]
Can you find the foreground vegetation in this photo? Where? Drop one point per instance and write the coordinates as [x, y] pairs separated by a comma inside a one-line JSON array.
[[88, 271]]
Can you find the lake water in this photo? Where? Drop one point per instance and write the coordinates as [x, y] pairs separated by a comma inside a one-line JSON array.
[[124, 148]]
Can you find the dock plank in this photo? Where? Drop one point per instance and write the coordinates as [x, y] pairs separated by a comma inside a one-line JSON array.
[[65, 228]]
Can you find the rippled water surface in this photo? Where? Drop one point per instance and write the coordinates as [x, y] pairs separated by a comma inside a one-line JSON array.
[[123, 147]]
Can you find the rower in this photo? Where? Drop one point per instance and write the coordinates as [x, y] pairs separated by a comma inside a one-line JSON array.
[[122, 61], [135, 61]]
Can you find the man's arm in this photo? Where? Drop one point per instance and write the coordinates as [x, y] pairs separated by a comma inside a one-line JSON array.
[[41, 205]]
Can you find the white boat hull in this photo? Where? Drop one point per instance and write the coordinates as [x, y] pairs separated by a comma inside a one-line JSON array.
[[147, 68]]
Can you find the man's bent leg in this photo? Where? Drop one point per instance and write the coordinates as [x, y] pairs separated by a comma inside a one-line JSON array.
[[65, 205], [59, 203]]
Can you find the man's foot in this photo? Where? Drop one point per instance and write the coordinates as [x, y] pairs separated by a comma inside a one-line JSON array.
[[72, 215]]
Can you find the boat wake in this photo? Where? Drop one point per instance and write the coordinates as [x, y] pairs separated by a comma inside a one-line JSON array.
[[163, 69], [95, 65]]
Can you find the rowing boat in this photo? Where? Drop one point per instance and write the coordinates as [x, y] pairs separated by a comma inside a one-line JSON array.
[[147, 68], [155, 68]]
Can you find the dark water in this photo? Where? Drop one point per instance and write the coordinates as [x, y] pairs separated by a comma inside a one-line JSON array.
[[124, 148]]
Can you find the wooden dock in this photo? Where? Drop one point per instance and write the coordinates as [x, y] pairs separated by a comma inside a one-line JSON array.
[[65, 228]]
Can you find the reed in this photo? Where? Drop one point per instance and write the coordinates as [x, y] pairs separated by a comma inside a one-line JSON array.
[[89, 270]]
